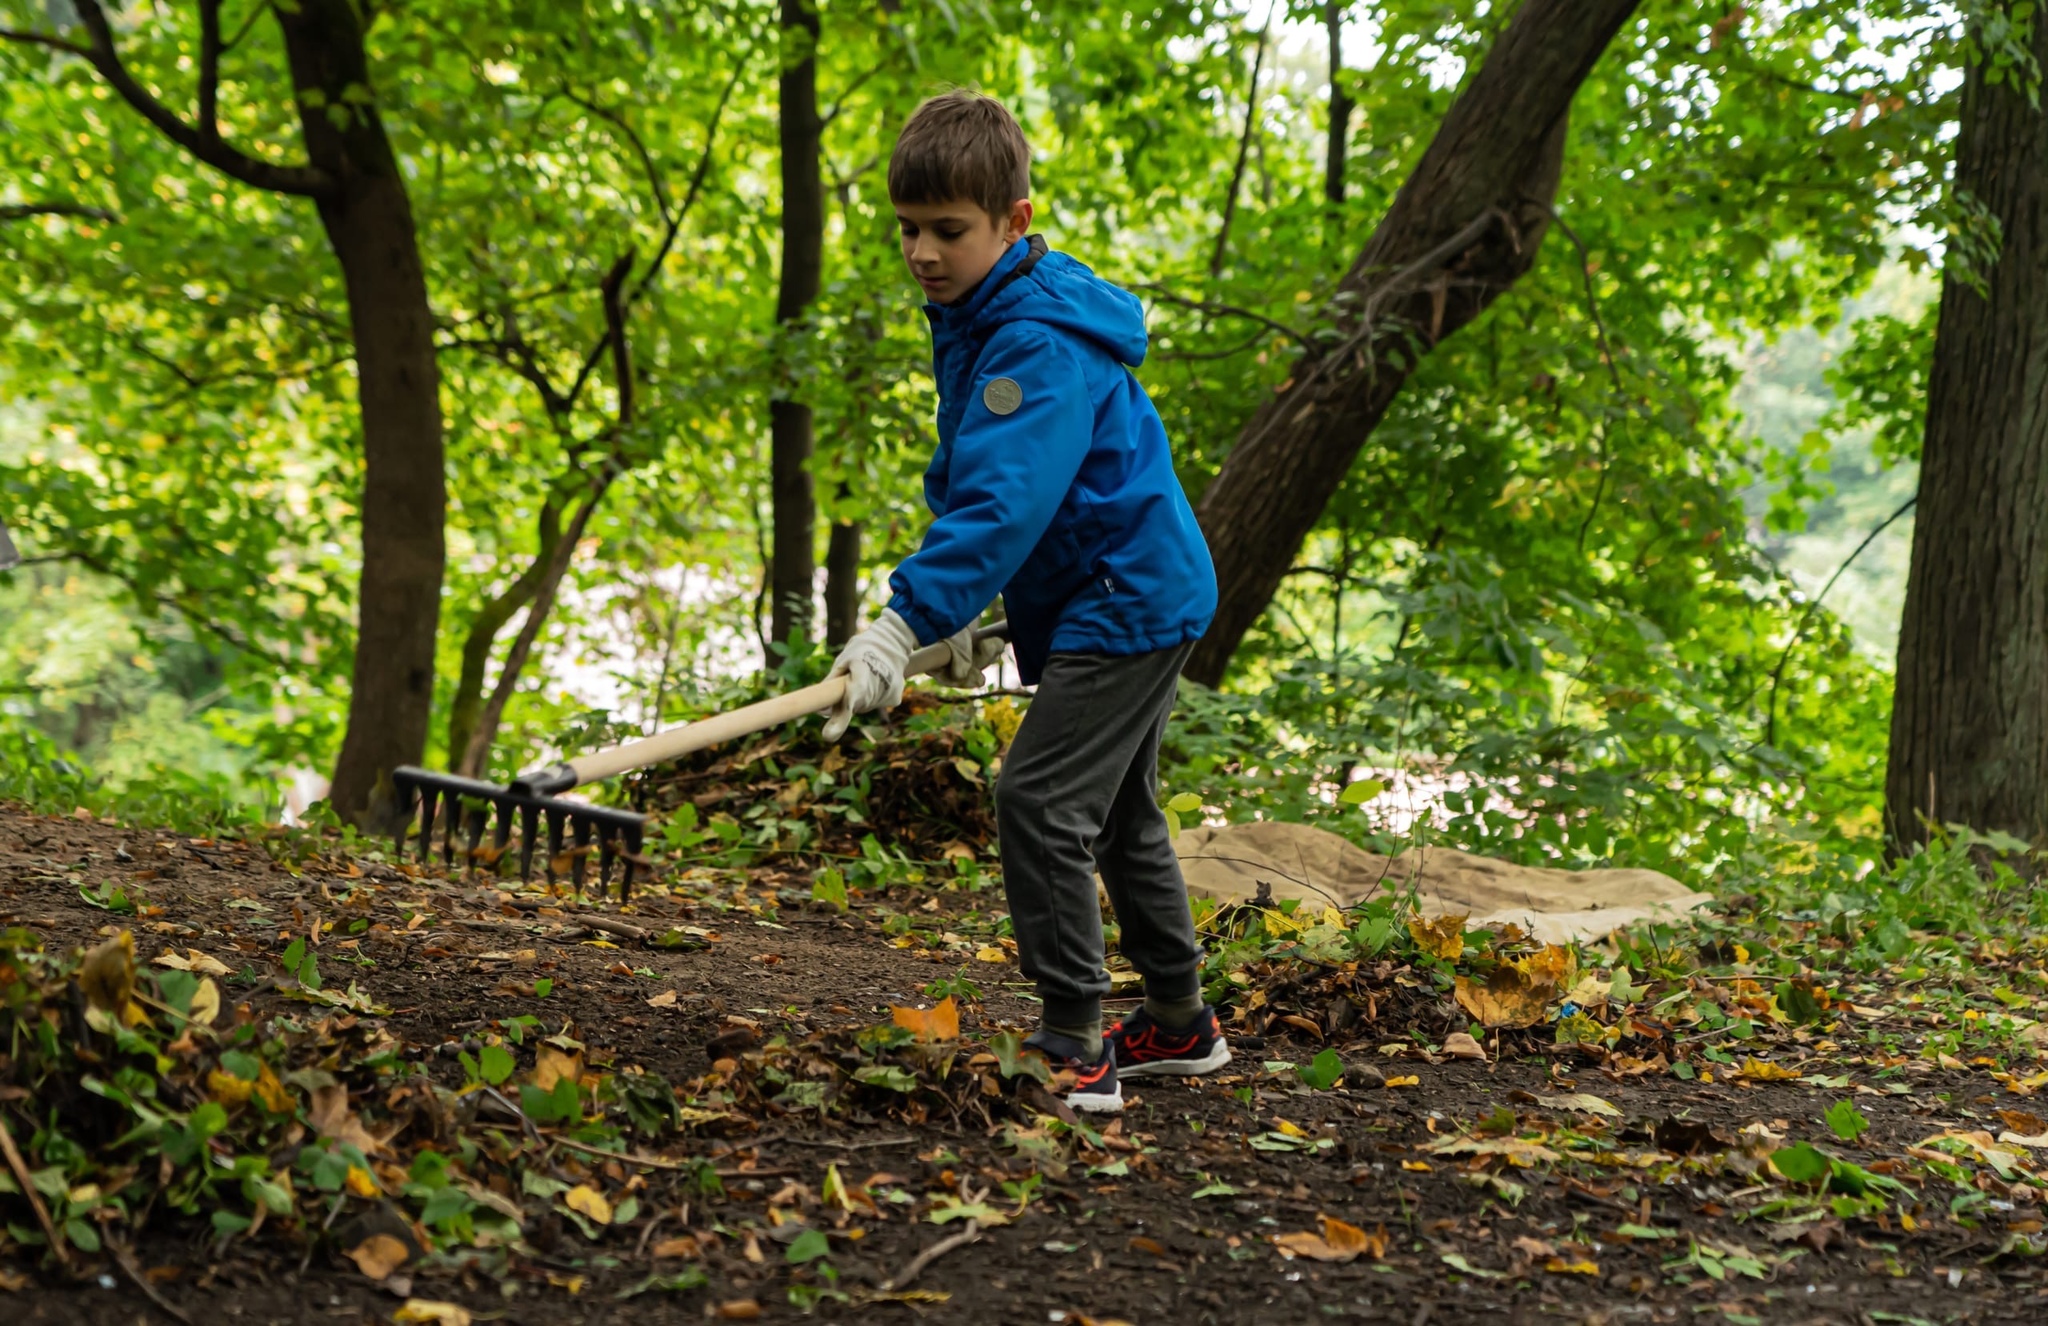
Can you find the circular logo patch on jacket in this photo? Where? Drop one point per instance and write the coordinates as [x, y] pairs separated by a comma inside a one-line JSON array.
[[1002, 396]]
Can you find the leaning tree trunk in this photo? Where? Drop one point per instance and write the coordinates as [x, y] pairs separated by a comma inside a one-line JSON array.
[[1969, 736], [794, 552], [1463, 228], [368, 219]]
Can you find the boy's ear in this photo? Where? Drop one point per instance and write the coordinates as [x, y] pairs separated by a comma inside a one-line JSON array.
[[1018, 223]]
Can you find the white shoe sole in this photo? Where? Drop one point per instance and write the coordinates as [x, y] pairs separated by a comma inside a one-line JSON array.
[[1218, 1056], [1094, 1102]]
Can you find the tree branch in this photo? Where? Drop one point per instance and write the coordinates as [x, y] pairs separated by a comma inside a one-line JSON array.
[[304, 181], [1244, 149], [209, 71], [1225, 310], [22, 211]]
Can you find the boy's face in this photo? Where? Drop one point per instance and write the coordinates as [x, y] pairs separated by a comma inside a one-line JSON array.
[[950, 246]]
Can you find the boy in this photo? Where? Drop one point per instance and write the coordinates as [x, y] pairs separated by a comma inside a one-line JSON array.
[[1052, 483]]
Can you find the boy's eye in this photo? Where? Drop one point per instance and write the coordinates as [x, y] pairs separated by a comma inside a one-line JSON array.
[[950, 234]]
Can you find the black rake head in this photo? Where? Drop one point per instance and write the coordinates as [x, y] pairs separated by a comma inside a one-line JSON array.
[[574, 828]]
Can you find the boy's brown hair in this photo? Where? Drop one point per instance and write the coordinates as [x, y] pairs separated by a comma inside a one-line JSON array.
[[961, 144]]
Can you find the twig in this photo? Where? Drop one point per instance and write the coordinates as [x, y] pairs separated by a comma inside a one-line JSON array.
[[897, 1283], [126, 1261], [850, 1146], [1806, 618], [625, 929], [35, 1199], [645, 1162]]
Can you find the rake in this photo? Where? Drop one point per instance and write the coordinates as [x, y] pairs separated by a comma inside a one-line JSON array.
[[579, 827]]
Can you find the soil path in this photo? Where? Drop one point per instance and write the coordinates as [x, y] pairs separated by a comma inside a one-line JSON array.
[[1177, 1224]]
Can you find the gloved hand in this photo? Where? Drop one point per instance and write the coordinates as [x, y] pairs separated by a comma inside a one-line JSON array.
[[969, 660], [873, 666]]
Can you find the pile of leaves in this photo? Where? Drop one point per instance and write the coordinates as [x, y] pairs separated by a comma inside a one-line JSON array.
[[919, 784]]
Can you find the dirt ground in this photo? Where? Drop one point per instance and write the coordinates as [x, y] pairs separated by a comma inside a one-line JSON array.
[[1178, 1227]]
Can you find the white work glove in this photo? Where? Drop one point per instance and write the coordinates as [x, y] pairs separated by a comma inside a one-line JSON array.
[[872, 663], [968, 660]]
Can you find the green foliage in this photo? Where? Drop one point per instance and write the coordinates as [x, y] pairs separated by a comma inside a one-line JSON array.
[[1845, 1121]]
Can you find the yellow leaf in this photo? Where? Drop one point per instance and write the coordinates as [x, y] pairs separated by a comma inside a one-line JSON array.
[[272, 1092], [1559, 1266], [666, 999], [940, 1023], [1756, 1070], [1504, 999], [1442, 938], [1339, 1242], [205, 1002], [1408, 1081], [588, 1201], [1418, 1166], [1292, 1130], [551, 1065], [107, 974], [991, 954], [378, 1255], [193, 960], [362, 1183], [428, 1312], [227, 1088]]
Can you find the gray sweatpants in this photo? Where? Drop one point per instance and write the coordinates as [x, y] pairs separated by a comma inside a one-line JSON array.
[[1078, 794]]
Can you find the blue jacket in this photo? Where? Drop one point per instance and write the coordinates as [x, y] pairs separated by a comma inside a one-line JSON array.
[[1053, 482]]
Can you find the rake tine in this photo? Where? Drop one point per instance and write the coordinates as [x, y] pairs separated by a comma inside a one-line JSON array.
[[632, 850], [478, 817], [429, 797], [605, 843], [501, 837], [582, 851], [529, 825], [554, 841], [450, 814]]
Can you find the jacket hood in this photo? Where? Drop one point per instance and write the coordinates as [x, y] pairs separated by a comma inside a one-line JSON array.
[[1031, 283]]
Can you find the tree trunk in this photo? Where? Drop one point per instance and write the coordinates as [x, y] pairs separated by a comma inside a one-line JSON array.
[[368, 219], [490, 619], [1969, 736], [842, 583], [1340, 116], [1464, 227], [795, 511]]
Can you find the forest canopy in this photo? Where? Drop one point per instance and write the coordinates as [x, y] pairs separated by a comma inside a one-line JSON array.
[[1547, 599]]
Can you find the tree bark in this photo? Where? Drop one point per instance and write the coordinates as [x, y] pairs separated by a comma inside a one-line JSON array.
[[1340, 115], [1969, 735], [794, 511], [842, 583], [368, 219], [1463, 228]]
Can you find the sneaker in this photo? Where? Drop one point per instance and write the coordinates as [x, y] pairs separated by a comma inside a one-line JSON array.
[[1090, 1088], [1146, 1049]]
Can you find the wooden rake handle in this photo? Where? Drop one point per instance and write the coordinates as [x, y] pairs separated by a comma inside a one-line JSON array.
[[689, 738]]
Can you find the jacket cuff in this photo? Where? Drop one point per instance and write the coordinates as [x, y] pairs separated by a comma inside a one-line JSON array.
[[920, 622]]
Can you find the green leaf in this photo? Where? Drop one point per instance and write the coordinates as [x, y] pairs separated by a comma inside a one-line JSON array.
[[886, 1075], [1362, 791], [1799, 1163], [828, 886], [294, 954], [1215, 1188], [807, 1247], [81, 1235], [1013, 1060], [543, 987], [1845, 1121], [495, 1064], [1184, 803], [1322, 1072]]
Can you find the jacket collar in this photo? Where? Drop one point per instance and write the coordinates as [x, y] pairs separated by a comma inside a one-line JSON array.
[[1015, 264]]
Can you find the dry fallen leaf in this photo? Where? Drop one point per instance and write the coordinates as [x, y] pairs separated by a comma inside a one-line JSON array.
[[205, 1002], [1339, 1242], [1505, 999], [13, 1281], [588, 1201], [1443, 937], [1460, 1045], [739, 1309], [1581, 1102], [1756, 1070], [1534, 1247], [378, 1255], [328, 1112], [1407, 1081], [431, 1313], [107, 975], [1559, 1266], [684, 1247], [551, 1065], [939, 1023], [192, 960], [666, 999]]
